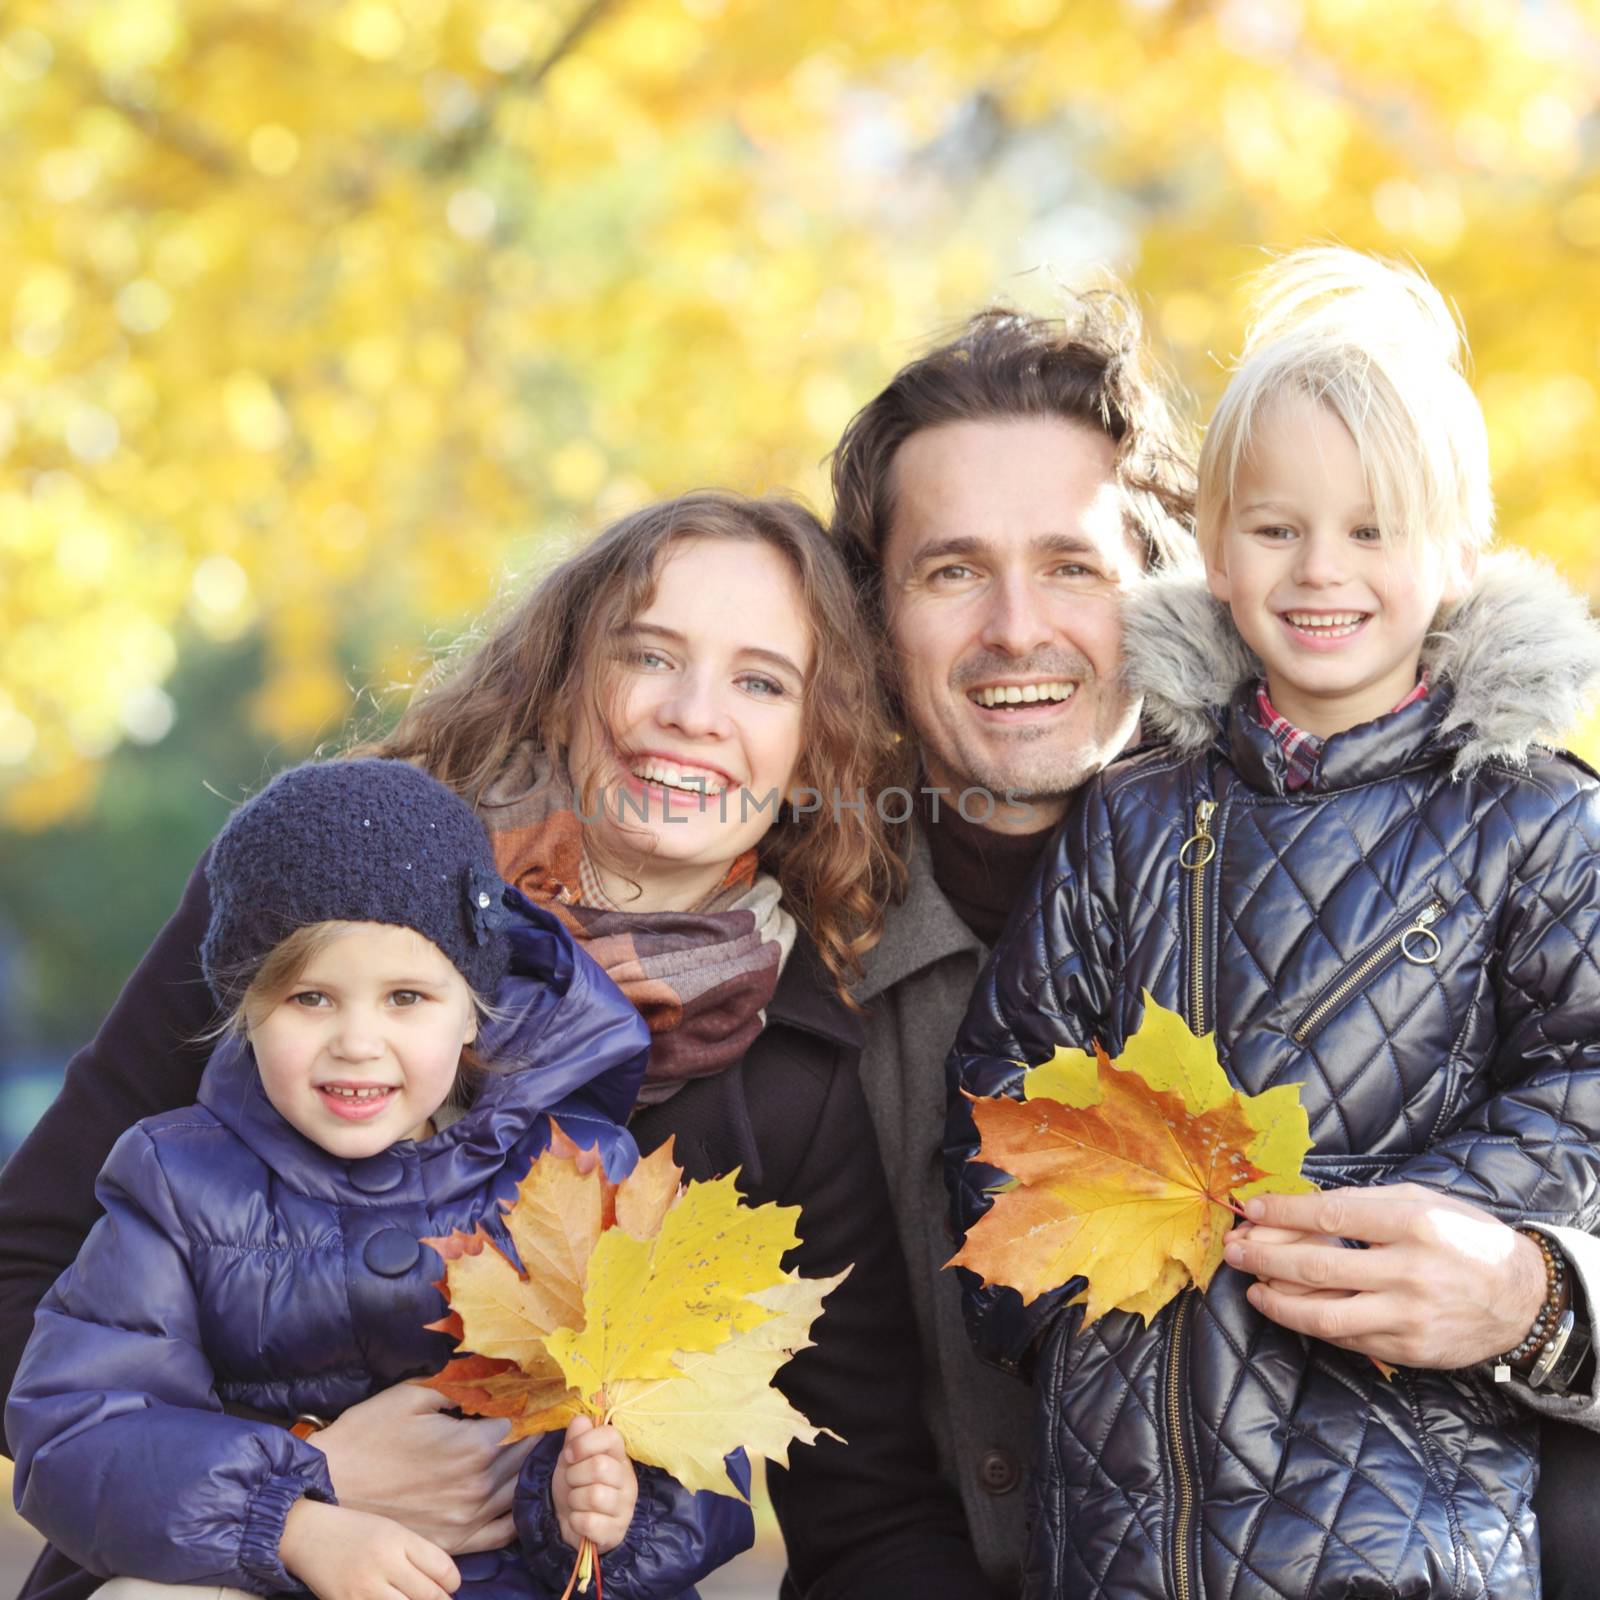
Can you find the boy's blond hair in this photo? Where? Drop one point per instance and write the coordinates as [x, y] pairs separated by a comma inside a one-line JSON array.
[[1376, 344]]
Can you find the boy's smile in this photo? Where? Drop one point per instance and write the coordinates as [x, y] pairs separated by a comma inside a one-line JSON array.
[[1336, 610]]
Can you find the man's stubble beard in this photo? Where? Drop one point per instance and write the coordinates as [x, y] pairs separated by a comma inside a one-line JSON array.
[[1057, 767]]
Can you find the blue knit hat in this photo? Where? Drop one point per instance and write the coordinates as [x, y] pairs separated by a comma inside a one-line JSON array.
[[352, 841]]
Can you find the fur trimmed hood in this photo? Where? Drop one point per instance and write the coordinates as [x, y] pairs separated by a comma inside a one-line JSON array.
[[1520, 653]]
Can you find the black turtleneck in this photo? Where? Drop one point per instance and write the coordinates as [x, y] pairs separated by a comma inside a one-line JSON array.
[[980, 872]]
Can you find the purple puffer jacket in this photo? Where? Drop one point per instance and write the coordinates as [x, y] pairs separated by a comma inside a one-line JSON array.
[[240, 1264]]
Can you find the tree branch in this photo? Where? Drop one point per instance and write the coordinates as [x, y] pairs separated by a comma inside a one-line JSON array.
[[465, 142]]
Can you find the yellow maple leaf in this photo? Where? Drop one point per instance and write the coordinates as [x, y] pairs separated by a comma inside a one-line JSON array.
[[652, 1187], [511, 1312], [718, 1400], [1126, 1172], [660, 1308], [554, 1223], [687, 1288]]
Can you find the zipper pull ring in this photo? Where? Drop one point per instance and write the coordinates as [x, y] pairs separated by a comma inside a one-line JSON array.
[[1428, 947], [1199, 847]]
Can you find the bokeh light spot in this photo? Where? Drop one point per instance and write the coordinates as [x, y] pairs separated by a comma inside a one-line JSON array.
[[274, 150]]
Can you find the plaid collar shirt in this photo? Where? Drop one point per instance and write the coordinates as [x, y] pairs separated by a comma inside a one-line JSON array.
[[1301, 749]]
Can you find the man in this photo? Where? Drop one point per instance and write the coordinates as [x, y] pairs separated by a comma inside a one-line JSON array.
[[995, 500]]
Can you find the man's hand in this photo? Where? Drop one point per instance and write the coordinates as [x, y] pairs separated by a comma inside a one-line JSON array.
[[448, 1479], [594, 1487], [339, 1554], [1443, 1283]]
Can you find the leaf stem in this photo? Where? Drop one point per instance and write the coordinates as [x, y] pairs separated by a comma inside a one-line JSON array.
[[586, 1566]]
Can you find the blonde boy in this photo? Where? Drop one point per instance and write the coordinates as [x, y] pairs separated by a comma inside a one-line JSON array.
[[1352, 862]]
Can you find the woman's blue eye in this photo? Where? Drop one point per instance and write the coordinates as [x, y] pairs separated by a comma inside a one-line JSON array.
[[768, 687], [646, 658]]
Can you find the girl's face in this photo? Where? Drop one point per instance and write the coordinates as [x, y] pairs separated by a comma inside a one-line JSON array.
[[363, 1048], [1336, 611], [704, 690]]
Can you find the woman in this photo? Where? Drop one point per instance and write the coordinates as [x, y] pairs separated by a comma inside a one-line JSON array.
[[645, 736]]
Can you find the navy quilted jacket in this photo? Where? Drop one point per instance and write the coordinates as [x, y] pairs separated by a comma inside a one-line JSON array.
[[238, 1262], [1414, 939]]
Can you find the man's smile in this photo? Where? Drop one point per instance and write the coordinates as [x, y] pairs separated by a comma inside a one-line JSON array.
[[992, 695]]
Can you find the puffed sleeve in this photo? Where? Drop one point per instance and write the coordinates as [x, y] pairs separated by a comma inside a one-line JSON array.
[[1527, 1141], [125, 1458]]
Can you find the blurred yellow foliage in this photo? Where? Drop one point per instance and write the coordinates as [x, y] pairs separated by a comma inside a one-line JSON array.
[[314, 314]]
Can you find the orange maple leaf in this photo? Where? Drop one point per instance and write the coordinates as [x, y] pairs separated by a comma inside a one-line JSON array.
[[483, 1386], [1125, 1172]]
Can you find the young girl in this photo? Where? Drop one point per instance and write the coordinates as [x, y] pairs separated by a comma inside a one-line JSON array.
[[1353, 865], [261, 1249]]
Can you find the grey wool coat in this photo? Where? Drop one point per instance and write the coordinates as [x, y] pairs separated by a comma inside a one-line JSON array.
[[916, 986]]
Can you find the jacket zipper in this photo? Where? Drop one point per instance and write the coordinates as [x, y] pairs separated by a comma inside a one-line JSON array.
[[1194, 857], [1184, 1583], [1417, 942]]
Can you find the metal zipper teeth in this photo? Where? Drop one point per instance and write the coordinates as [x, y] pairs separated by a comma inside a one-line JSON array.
[[1204, 848], [1183, 1522], [1194, 857], [1364, 969]]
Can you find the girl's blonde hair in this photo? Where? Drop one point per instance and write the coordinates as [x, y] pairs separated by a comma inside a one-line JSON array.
[[1375, 343], [279, 971]]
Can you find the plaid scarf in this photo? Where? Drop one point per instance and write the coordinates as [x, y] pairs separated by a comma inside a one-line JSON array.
[[701, 979], [1301, 749]]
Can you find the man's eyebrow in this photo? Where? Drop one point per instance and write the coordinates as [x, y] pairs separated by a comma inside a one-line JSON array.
[[751, 651], [966, 545]]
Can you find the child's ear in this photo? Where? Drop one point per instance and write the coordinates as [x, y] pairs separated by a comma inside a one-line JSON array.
[[472, 1027]]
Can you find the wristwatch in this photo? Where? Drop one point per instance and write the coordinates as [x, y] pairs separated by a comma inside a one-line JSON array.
[[1564, 1361]]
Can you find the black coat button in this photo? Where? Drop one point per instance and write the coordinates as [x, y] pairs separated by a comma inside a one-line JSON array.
[[997, 1472], [377, 1174], [391, 1252]]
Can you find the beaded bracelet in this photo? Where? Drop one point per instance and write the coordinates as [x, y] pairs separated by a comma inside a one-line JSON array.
[[1550, 1312]]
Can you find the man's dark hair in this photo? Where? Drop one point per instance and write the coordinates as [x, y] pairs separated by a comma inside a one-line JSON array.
[[1089, 367]]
